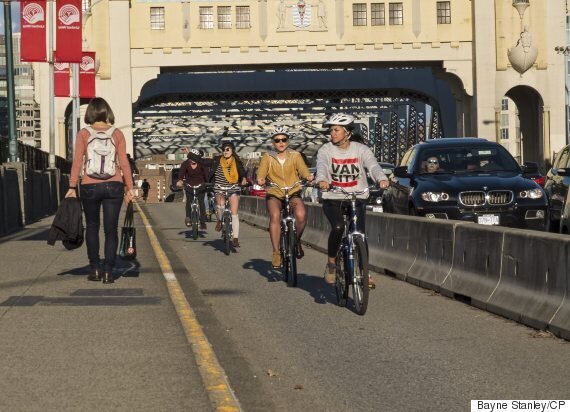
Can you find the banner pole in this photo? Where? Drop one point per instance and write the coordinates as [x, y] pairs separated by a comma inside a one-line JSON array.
[[50, 5], [76, 120], [11, 95]]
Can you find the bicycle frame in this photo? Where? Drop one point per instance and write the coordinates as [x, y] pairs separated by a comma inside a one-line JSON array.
[[227, 233]]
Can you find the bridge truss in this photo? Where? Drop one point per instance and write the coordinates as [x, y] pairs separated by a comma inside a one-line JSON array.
[[389, 125]]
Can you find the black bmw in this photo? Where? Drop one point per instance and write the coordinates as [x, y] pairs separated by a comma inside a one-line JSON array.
[[466, 179]]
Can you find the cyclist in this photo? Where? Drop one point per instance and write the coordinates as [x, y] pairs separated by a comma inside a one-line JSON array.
[[194, 173], [342, 162], [227, 169], [284, 167]]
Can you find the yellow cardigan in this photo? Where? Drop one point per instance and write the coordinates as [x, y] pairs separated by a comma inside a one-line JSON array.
[[284, 175]]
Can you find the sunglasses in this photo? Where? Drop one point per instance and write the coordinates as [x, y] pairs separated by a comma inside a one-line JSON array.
[[284, 140], [433, 162], [228, 149]]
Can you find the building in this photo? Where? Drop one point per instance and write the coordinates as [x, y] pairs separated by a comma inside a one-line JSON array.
[[210, 56], [28, 126]]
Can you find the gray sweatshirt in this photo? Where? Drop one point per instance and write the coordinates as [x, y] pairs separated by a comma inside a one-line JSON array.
[[345, 168]]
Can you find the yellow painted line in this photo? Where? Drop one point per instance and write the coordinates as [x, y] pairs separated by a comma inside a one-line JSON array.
[[214, 378]]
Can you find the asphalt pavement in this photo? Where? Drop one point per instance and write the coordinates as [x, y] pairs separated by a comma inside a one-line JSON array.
[[70, 344]]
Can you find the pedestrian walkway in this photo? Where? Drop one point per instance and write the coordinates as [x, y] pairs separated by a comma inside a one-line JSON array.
[[70, 344]]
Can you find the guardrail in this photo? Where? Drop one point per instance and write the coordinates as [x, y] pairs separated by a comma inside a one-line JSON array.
[[519, 274]]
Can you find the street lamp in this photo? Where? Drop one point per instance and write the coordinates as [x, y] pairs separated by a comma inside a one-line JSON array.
[[565, 50]]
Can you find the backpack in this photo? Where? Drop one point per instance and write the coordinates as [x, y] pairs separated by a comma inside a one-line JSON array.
[[101, 154]]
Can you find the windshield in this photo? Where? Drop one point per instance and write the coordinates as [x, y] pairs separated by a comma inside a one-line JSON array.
[[481, 159]]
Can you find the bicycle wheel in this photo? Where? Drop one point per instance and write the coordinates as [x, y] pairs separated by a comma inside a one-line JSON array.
[[284, 256], [360, 277], [227, 232], [341, 284], [291, 252], [195, 218]]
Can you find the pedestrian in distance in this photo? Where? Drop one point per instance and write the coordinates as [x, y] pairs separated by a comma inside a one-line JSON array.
[[342, 162], [193, 173], [145, 188], [284, 167], [101, 158], [227, 169]]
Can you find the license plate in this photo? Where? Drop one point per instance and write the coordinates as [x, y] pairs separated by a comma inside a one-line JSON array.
[[488, 219], [377, 209]]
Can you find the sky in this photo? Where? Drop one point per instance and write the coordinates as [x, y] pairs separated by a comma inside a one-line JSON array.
[[15, 17]]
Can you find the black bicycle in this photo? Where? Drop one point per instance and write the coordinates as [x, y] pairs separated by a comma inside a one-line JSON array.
[[352, 257], [288, 238], [227, 231], [195, 209]]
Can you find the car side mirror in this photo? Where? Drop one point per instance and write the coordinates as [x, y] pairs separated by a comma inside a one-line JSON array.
[[563, 171], [530, 167], [401, 171]]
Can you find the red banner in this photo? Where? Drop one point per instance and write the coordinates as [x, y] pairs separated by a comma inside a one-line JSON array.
[[68, 31], [61, 79], [87, 75], [33, 28]]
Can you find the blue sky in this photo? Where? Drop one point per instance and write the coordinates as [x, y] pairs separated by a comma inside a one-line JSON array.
[[15, 17]]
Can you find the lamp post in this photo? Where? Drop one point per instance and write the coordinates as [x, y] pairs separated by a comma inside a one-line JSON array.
[[565, 51], [13, 141]]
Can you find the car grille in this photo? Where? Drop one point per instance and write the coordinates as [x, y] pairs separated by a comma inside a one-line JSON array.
[[495, 198]]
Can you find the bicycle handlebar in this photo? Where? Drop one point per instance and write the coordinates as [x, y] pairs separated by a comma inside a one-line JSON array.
[[198, 186], [285, 188], [222, 187], [338, 189]]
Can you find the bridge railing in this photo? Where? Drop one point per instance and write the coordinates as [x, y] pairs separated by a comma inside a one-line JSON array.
[[29, 190], [519, 274]]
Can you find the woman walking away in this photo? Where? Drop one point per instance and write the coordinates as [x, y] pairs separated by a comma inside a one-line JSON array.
[[101, 157], [228, 170], [284, 167]]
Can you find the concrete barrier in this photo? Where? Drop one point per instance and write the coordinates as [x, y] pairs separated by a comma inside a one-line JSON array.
[[476, 267], [533, 277], [519, 274], [434, 254]]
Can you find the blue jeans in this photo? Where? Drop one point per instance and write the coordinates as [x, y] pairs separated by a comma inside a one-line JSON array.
[[110, 195]]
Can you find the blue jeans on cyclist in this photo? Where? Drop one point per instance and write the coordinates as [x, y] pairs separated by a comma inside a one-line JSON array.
[[189, 199]]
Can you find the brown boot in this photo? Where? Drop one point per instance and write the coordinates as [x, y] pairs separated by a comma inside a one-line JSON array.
[[108, 277], [276, 260], [371, 283], [236, 242], [219, 226], [330, 273]]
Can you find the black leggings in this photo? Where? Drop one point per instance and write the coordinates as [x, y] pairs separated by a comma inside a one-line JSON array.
[[190, 198], [110, 195], [334, 211]]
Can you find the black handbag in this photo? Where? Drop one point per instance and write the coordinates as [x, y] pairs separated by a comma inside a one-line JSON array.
[[128, 244]]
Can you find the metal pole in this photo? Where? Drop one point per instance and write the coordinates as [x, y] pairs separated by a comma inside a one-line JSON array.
[[51, 122], [13, 142], [75, 98]]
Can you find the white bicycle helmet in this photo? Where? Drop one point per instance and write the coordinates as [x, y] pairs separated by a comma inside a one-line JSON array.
[[341, 119], [284, 130]]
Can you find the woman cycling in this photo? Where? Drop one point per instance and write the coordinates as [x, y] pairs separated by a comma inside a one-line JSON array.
[[342, 163], [194, 173], [284, 167], [226, 170]]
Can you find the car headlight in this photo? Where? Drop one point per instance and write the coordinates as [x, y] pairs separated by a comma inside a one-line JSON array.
[[435, 196], [531, 194]]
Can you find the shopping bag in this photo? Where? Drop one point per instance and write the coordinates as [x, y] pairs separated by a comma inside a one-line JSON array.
[[128, 244]]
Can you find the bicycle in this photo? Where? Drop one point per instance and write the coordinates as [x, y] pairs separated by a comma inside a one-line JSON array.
[[352, 258], [195, 209], [288, 237], [227, 232]]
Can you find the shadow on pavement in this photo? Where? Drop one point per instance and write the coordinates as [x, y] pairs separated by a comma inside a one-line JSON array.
[[263, 267]]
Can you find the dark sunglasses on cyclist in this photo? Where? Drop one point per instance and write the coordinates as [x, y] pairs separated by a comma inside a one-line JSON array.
[[284, 140], [433, 162], [228, 149]]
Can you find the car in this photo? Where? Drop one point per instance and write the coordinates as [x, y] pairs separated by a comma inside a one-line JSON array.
[[556, 188], [468, 179], [252, 188], [375, 199]]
